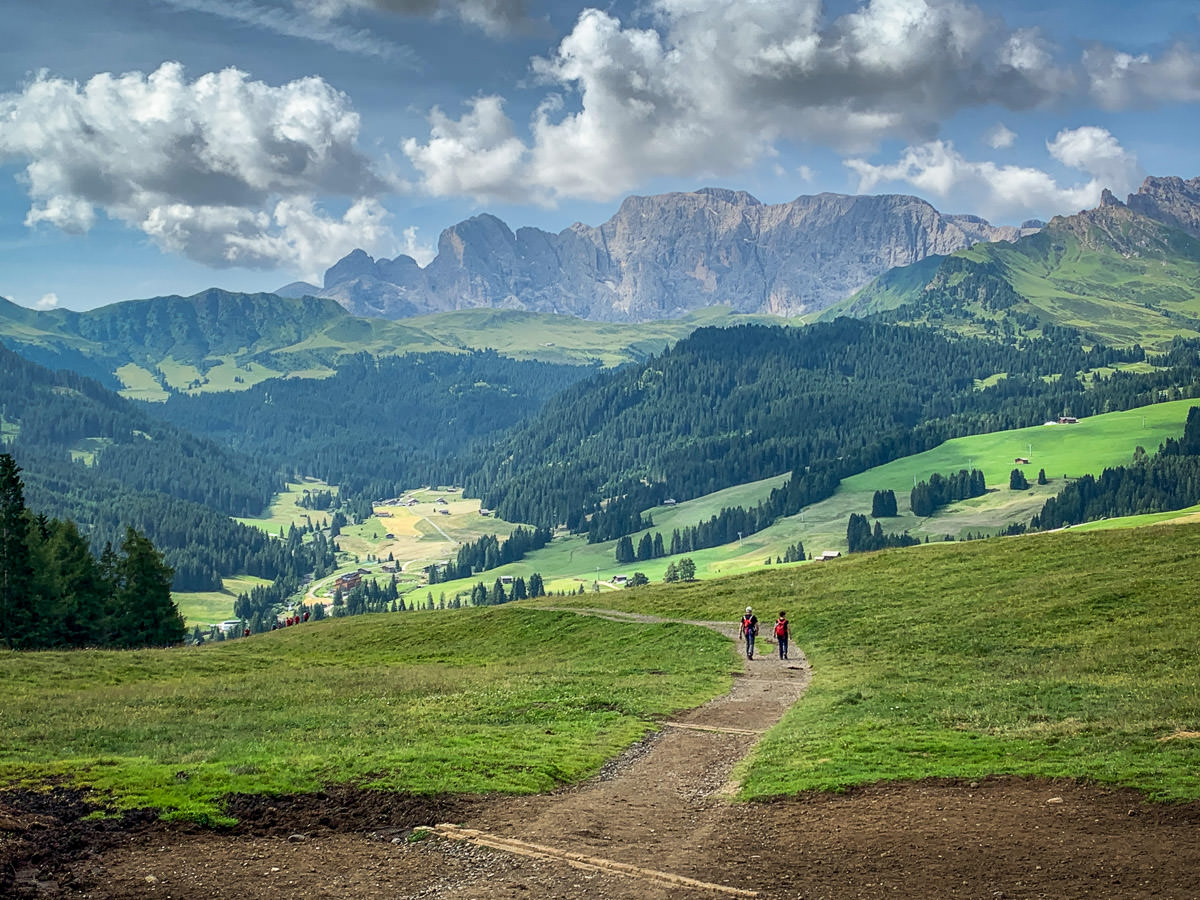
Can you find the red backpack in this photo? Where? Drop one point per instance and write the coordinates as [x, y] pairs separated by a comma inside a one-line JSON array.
[[781, 628]]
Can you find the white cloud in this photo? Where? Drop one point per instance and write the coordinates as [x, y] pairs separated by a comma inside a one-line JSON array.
[[1121, 80], [421, 251], [707, 87], [222, 169], [302, 20], [477, 155], [1095, 151], [1004, 192], [47, 301], [999, 137]]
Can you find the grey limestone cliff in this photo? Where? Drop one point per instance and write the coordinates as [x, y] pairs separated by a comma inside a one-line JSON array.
[[663, 256]]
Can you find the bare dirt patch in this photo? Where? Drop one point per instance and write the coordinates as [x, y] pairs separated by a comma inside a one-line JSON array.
[[661, 808]]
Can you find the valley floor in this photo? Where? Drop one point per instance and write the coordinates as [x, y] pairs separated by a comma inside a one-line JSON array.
[[656, 823]]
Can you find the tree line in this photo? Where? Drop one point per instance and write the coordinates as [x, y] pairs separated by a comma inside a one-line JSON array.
[[1167, 480], [940, 490], [489, 552], [54, 593]]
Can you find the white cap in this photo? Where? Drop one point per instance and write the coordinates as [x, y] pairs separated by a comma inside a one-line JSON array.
[[748, 609]]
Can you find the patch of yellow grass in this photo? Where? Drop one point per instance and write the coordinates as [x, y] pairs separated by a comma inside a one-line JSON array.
[[1181, 736]]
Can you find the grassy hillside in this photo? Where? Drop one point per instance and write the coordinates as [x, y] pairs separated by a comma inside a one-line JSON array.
[[1089, 446], [1046, 655], [223, 341], [1114, 275], [475, 700]]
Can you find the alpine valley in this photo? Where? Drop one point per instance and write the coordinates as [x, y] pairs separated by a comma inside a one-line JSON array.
[[702, 377]]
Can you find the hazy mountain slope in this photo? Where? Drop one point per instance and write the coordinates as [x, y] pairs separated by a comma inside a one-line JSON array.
[[218, 340], [663, 256]]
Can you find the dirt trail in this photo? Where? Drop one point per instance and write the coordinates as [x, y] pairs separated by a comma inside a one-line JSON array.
[[663, 806], [655, 824]]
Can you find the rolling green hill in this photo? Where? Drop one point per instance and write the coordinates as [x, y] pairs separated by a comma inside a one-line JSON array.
[[1115, 274], [222, 341], [105, 463], [1090, 446]]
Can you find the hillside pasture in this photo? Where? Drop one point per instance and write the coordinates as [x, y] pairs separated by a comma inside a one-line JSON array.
[[1088, 446], [286, 511], [206, 608], [427, 532], [511, 700], [141, 384], [1038, 656], [1043, 655]]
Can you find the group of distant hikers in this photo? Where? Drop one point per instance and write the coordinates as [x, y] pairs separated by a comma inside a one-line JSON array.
[[750, 632]]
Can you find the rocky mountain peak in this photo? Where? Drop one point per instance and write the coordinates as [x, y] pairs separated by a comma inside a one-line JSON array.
[[352, 265], [1170, 200], [664, 255]]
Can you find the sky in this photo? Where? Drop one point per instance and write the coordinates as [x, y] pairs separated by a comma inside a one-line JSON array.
[[152, 147]]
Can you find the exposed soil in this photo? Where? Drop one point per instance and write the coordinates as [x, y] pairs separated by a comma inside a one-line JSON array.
[[652, 819]]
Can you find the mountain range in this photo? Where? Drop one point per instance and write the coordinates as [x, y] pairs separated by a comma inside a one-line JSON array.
[[662, 257], [1123, 273]]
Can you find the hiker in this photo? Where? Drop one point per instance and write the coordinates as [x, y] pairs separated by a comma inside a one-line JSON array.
[[781, 634], [749, 631]]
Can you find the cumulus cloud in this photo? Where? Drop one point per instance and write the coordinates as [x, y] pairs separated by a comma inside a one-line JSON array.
[[999, 137], [47, 301], [478, 155], [936, 168], [707, 87], [222, 169], [421, 251]]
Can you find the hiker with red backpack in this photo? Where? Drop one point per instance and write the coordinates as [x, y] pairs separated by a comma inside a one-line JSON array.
[[782, 634], [749, 631]]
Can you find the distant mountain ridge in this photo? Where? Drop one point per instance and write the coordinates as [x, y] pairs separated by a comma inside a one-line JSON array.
[[662, 257], [219, 340]]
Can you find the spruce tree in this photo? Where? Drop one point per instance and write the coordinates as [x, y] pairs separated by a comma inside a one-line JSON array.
[[16, 568], [144, 615]]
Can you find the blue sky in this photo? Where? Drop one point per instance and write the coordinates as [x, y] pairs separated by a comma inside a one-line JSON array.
[[151, 147]]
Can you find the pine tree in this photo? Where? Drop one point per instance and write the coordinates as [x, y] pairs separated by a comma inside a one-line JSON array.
[[144, 615], [645, 548], [77, 611], [16, 569], [624, 550]]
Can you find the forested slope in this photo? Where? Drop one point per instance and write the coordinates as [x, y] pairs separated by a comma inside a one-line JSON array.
[[736, 405], [93, 457], [378, 425]]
